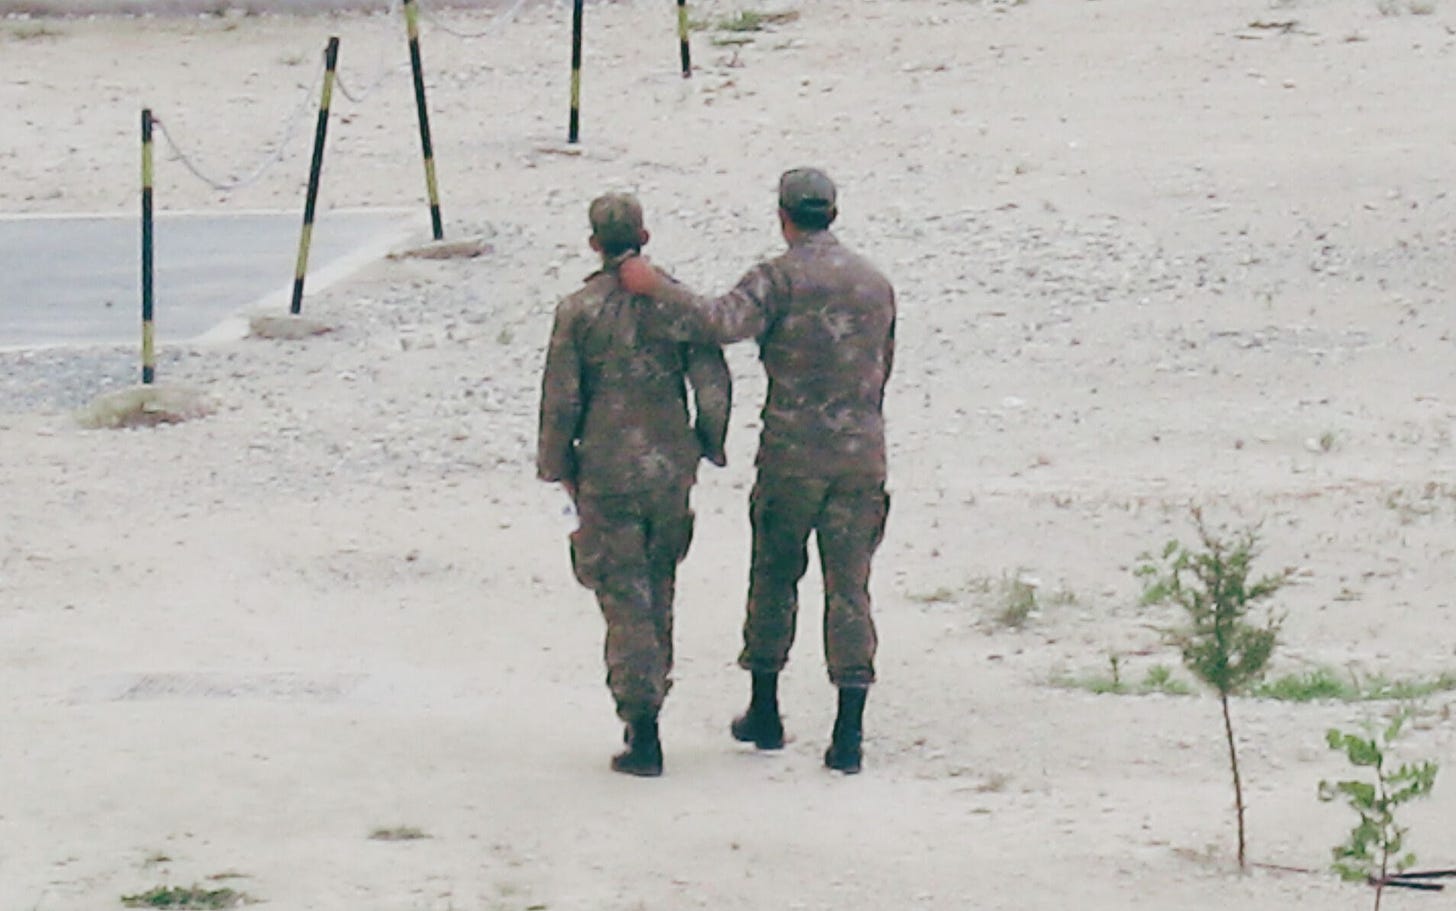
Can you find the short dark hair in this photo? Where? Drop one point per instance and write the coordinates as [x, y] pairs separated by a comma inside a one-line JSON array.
[[814, 219], [616, 220], [617, 248]]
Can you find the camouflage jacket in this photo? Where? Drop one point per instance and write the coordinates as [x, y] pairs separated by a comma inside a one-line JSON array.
[[614, 410], [824, 319]]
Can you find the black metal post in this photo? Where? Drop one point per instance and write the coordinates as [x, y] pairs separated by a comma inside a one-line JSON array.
[[682, 38], [331, 63], [149, 357], [412, 23], [573, 129]]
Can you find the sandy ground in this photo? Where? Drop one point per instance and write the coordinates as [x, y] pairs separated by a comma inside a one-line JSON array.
[[1149, 254]]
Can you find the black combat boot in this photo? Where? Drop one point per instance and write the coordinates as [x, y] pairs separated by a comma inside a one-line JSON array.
[[844, 754], [761, 724], [643, 756]]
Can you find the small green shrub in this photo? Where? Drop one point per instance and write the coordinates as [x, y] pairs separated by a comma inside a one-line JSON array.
[[1375, 848], [1219, 643]]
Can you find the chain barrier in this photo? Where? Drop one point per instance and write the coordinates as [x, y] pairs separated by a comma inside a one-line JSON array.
[[363, 94], [290, 130], [489, 29], [298, 116], [385, 70]]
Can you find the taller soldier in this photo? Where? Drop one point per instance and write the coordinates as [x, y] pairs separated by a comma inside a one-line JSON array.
[[824, 319], [615, 432]]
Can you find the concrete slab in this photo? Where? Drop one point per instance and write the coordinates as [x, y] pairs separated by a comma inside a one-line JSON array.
[[77, 279]]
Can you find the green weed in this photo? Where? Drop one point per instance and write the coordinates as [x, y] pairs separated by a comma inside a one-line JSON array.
[[942, 595], [189, 897], [1017, 602], [37, 31], [1157, 680], [398, 833], [752, 21], [1318, 685], [1008, 602], [1410, 504], [1324, 684]]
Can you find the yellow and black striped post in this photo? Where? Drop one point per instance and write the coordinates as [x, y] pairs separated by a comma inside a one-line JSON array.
[[682, 37], [149, 354], [412, 25], [331, 63], [573, 128]]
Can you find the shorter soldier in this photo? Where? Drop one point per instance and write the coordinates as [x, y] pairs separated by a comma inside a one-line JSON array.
[[615, 433]]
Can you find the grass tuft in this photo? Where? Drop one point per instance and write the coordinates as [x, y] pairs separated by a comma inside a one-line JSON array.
[[745, 21], [1017, 602], [1158, 680], [398, 833], [1324, 684], [37, 31], [187, 897]]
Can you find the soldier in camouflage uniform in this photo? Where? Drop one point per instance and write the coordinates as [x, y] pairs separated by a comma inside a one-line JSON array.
[[615, 433], [824, 319]]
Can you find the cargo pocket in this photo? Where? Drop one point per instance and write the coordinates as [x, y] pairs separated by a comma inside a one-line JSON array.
[[883, 518], [671, 540], [586, 559]]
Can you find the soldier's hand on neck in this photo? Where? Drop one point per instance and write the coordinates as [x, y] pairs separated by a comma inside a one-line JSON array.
[[638, 275]]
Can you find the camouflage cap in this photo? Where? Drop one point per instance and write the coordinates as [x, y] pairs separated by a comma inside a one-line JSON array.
[[616, 220], [806, 191]]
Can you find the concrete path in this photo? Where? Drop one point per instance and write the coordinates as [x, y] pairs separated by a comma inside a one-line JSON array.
[[77, 279]]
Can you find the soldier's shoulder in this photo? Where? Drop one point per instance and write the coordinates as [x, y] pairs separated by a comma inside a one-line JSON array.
[[584, 300], [832, 254], [862, 263]]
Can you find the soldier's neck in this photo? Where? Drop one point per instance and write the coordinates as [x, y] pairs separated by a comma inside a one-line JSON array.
[[610, 263]]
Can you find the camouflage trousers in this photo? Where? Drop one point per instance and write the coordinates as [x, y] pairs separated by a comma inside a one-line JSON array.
[[847, 516], [626, 549]]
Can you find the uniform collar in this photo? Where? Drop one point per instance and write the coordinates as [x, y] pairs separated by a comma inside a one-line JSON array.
[[610, 264], [822, 238]]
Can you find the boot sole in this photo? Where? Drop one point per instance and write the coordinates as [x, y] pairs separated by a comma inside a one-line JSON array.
[[848, 763], [763, 743], [636, 771]]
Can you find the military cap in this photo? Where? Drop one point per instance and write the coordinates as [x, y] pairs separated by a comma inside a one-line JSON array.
[[804, 191], [616, 220]]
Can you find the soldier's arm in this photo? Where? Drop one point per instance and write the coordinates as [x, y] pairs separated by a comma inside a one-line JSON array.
[[712, 384], [561, 405], [680, 314]]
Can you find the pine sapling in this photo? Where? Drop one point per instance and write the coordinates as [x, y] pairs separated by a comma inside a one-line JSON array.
[[1222, 643], [1373, 851]]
